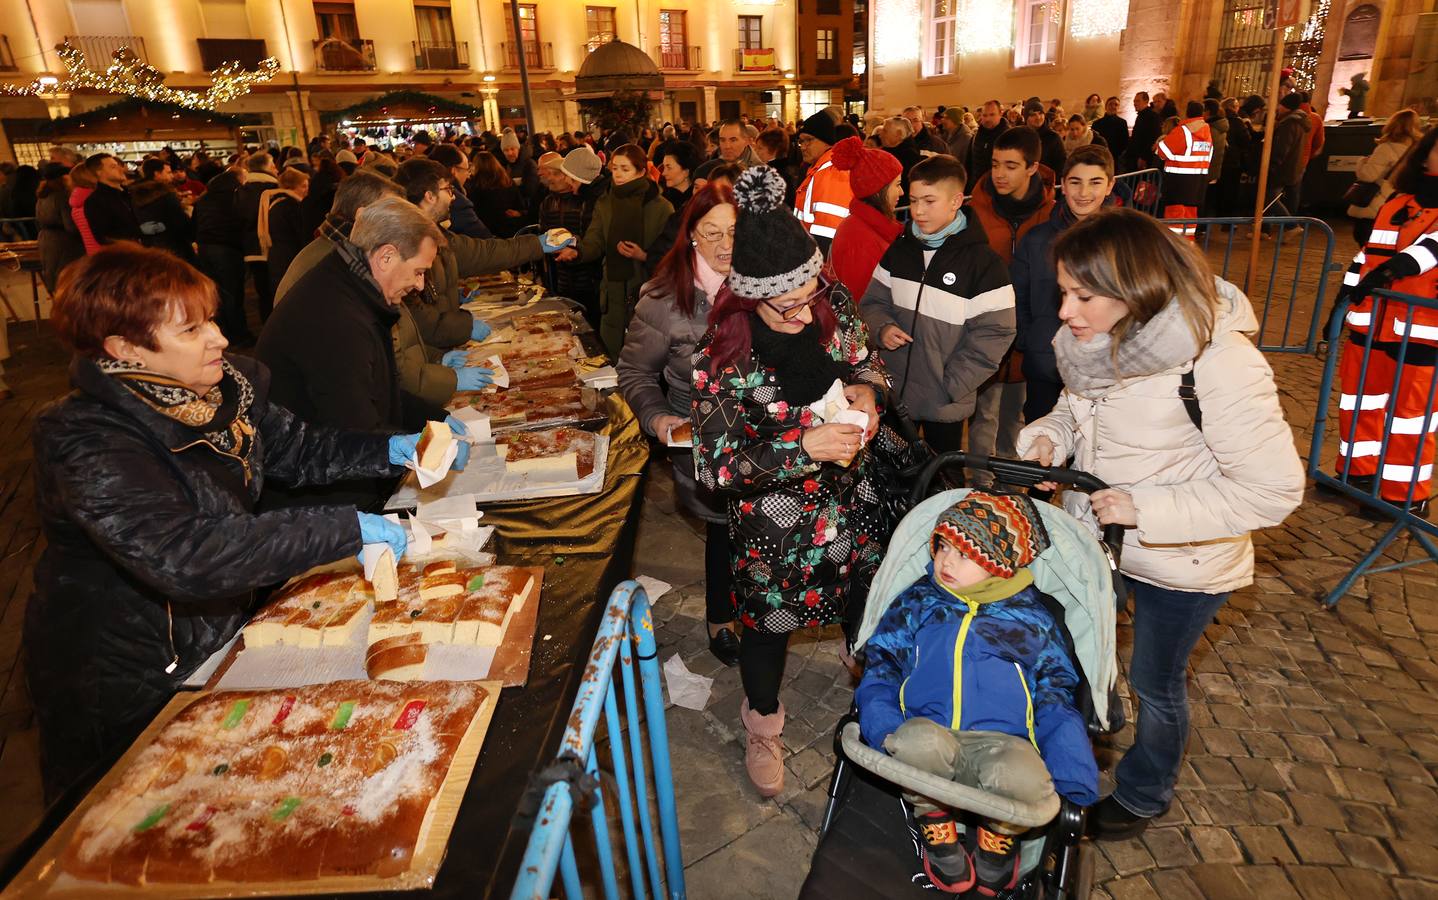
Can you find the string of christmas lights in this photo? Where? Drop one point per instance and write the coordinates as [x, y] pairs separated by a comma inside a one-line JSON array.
[[127, 74]]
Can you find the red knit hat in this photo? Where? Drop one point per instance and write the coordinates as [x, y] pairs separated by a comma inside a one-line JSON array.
[[870, 171]]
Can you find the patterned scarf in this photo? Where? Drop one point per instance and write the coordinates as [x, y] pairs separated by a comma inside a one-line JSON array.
[[220, 418]]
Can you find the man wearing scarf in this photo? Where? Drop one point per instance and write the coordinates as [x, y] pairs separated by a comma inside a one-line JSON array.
[[940, 305]]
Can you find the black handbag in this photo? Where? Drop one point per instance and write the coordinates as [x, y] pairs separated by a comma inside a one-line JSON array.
[[1360, 193], [899, 454]]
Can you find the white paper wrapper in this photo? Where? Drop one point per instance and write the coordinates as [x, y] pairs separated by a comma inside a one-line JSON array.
[[601, 378], [428, 477], [501, 374], [653, 587], [476, 425], [833, 401], [685, 688], [854, 417], [370, 557]]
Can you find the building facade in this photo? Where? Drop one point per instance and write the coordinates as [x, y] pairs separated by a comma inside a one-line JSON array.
[[718, 59], [969, 51]]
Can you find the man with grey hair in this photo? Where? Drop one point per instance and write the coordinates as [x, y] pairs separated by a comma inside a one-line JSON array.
[[896, 137], [330, 346], [735, 144]]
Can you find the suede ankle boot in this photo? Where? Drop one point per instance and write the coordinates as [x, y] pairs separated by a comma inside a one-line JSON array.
[[764, 752]]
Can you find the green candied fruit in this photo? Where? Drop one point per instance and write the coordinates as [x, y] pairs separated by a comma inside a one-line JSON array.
[[286, 807], [236, 713], [153, 819], [415, 613], [325, 759], [476, 582], [315, 605], [221, 769]]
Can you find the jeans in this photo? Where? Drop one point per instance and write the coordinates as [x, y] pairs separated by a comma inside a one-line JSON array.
[[1166, 627]]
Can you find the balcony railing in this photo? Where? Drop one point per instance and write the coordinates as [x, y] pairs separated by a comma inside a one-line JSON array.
[[441, 54], [755, 59], [537, 55], [341, 55], [679, 57], [7, 60], [215, 52], [99, 49]]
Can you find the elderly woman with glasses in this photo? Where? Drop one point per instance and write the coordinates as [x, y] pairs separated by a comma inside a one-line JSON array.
[[672, 315], [804, 523]]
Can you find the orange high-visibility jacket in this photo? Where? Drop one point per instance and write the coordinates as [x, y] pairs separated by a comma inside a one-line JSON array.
[[1188, 149], [823, 199], [1402, 226]]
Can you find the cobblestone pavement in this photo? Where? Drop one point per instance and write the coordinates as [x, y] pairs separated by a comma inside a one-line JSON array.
[[1315, 732]]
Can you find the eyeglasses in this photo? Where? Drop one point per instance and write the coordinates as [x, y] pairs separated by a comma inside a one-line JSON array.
[[715, 237], [788, 313]]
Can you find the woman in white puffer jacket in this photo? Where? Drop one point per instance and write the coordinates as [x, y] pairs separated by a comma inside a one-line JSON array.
[[1142, 309]]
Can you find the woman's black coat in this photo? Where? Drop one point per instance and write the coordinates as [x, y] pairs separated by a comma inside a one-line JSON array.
[[154, 552]]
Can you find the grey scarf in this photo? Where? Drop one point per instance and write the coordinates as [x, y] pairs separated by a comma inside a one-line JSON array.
[[1164, 342]]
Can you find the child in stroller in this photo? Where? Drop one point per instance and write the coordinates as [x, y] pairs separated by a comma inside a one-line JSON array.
[[968, 677]]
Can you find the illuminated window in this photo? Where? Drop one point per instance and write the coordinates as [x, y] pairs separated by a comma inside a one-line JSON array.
[[1037, 40], [827, 38], [941, 45], [600, 21]]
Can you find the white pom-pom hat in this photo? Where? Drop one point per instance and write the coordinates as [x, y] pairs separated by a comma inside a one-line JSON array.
[[773, 254]]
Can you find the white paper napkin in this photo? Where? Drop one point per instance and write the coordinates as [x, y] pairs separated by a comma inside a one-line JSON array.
[[428, 477], [371, 555], [500, 377], [602, 377], [476, 425]]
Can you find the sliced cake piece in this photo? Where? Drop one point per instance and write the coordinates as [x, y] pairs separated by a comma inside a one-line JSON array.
[[434, 443]]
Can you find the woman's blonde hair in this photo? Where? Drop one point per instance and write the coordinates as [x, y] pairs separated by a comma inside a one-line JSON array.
[[1130, 256], [1403, 126]]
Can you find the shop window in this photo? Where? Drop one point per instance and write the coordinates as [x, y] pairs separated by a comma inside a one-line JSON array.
[[1037, 40]]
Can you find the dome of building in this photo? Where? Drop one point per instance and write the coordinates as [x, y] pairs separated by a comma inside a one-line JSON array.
[[618, 66]]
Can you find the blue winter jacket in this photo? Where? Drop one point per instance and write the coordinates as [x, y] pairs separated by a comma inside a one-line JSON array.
[[995, 666]]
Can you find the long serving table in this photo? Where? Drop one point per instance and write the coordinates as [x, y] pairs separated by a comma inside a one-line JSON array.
[[585, 544]]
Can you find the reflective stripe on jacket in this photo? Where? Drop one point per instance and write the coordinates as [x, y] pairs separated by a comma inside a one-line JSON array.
[[823, 199]]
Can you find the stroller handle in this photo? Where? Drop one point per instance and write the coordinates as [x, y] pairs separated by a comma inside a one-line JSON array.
[[1021, 472]]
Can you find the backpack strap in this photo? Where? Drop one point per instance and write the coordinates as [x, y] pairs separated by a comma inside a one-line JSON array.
[[1188, 393]]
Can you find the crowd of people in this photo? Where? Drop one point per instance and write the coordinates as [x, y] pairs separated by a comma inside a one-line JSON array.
[[980, 273]]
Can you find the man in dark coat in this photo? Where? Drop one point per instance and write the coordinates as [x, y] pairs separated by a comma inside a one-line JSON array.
[[330, 344], [1147, 128], [1112, 127], [981, 150], [108, 210], [263, 176], [1290, 137], [162, 218], [898, 142], [1052, 153]]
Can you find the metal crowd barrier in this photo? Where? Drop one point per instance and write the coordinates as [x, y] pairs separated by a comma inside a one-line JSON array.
[[626, 634], [1276, 294], [1411, 468], [1141, 190]]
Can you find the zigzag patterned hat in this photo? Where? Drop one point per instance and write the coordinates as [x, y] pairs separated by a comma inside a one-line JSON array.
[[1001, 533]]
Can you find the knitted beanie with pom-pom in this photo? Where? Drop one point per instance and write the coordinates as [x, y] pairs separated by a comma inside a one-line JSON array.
[[870, 171], [773, 254]]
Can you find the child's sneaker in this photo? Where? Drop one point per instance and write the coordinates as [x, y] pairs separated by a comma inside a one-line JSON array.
[[946, 862], [996, 862]]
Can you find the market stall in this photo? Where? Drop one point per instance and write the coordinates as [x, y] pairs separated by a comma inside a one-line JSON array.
[[393, 118], [315, 765], [130, 129]]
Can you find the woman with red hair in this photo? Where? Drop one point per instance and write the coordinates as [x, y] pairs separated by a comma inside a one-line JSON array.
[[671, 317], [804, 521], [147, 478]]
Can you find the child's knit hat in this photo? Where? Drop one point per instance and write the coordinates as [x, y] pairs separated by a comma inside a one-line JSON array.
[[1001, 533]]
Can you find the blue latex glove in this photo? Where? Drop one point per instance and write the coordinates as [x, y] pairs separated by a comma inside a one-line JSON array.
[[379, 530], [474, 378], [547, 247], [456, 359], [480, 330], [402, 447]]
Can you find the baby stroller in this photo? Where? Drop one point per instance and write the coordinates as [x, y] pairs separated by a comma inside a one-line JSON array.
[[869, 845]]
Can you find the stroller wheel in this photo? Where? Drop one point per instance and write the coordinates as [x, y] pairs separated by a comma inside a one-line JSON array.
[[1080, 883]]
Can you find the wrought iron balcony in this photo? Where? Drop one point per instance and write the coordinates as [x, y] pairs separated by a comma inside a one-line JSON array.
[[441, 54], [537, 55], [344, 55], [99, 49], [679, 57]]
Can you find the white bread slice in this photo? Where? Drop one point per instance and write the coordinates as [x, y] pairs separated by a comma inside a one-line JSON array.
[[434, 442]]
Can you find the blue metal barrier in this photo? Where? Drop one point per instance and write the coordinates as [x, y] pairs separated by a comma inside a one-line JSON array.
[[626, 633], [1275, 296], [1131, 188], [1403, 515]]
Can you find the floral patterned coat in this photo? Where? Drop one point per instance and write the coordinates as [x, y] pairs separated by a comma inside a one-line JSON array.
[[800, 531]]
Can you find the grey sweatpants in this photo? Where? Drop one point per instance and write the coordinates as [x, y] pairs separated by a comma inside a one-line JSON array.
[[994, 428], [988, 760]]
